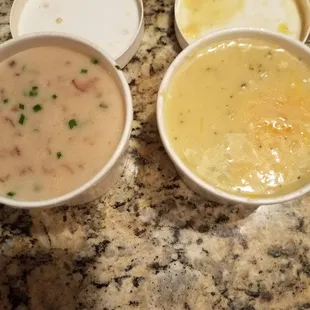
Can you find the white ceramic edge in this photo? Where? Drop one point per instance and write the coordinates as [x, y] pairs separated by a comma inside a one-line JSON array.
[[15, 10], [125, 58], [122, 146], [122, 60], [184, 43], [191, 179], [178, 32]]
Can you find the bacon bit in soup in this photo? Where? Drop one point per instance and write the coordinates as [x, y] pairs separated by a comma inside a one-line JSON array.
[[12, 63], [25, 171], [48, 170], [18, 134], [84, 87], [72, 123], [68, 168], [15, 109], [89, 141], [5, 178], [59, 20], [8, 120], [77, 86], [16, 151]]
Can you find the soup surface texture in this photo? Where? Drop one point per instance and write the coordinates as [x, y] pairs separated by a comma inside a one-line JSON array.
[[238, 115], [199, 17], [62, 117]]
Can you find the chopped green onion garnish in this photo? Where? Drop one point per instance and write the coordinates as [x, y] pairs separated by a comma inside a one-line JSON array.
[[54, 96], [10, 194], [59, 155], [21, 106], [72, 123], [37, 108], [95, 61], [5, 100], [34, 91], [83, 71], [118, 67], [22, 119]]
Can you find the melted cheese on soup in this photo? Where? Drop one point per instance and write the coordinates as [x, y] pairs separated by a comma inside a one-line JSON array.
[[61, 116], [238, 115], [199, 17]]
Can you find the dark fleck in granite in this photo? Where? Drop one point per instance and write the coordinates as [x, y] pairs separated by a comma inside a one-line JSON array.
[[152, 243]]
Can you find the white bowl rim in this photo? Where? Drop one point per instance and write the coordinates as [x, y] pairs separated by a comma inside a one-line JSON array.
[[226, 34], [61, 200]]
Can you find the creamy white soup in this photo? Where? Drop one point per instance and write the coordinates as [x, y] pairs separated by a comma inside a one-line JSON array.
[[62, 117], [238, 115]]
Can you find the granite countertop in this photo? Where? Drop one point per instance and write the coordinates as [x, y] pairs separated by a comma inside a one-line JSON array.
[[151, 243]]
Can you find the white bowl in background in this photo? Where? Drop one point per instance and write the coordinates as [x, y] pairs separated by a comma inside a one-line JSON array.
[[114, 26], [111, 171], [194, 182], [304, 12]]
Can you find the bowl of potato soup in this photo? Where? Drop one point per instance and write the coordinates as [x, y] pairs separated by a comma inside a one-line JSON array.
[[233, 113], [66, 118]]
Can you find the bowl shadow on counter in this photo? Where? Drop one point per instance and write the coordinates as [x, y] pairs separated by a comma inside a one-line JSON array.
[[46, 255], [174, 204]]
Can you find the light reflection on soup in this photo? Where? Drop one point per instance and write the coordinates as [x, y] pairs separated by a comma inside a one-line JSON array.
[[238, 115], [62, 117]]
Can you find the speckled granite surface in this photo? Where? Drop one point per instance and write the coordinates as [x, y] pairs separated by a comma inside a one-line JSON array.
[[151, 243]]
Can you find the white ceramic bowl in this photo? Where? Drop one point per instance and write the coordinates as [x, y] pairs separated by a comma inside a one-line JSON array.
[[100, 14], [110, 172], [304, 9], [195, 183]]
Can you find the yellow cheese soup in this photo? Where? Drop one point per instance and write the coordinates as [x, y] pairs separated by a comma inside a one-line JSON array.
[[197, 18], [62, 117], [238, 115]]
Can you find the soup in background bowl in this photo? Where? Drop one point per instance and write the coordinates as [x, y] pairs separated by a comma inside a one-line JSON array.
[[197, 18], [66, 115], [233, 113]]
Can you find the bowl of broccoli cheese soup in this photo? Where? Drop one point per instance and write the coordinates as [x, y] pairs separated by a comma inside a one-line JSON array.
[[233, 113], [66, 117]]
